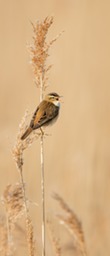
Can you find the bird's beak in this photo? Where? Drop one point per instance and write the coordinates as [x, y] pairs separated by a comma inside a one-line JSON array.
[[60, 96]]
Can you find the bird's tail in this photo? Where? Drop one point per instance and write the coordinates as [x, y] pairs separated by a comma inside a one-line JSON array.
[[27, 132]]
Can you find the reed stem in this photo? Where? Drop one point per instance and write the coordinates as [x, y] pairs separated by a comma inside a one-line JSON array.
[[42, 194], [42, 175], [23, 191]]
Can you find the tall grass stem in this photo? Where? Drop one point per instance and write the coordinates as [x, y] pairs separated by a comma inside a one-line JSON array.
[[42, 175]]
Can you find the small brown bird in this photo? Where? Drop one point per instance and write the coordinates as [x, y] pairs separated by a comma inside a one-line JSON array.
[[45, 114]]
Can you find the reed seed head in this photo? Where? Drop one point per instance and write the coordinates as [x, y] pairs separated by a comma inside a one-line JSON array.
[[72, 224], [13, 201], [21, 145]]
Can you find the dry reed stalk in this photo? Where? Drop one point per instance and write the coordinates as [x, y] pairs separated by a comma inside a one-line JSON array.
[[55, 240], [13, 202], [39, 54], [73, 225], [21, 145], [30, 236], [18, 150]]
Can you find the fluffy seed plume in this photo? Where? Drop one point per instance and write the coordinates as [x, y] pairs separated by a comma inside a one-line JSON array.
[[54, 239], [73, 225], [21, 145], [40, 50], [13, 201]]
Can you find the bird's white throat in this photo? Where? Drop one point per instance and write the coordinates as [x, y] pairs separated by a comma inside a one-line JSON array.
[[56, 103]]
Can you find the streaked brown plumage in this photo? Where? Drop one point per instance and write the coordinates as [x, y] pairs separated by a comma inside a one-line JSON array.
[[45, 114]]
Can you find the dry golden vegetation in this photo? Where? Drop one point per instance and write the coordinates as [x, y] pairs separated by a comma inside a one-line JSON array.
[[76, 155], [14, 197]]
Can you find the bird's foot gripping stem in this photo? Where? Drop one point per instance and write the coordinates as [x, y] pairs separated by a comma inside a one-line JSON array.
[[42, 132]]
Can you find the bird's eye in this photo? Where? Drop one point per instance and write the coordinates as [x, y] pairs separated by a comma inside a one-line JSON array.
[[56, 98]]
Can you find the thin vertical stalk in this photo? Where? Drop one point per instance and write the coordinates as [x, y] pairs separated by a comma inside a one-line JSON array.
[[40, 53], [42, 175], [28, 226], [41, 86], [42, 194], [9, 234], [23, 191]]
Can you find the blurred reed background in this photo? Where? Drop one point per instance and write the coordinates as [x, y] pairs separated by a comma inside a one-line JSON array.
[[77, 155]]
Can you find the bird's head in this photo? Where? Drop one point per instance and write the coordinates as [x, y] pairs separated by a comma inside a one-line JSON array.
[[54, 98]]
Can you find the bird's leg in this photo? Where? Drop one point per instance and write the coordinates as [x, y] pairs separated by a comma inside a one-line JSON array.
[[42, 132]]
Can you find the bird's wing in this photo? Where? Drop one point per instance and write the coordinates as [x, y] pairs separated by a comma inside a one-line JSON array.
[[45, 112]]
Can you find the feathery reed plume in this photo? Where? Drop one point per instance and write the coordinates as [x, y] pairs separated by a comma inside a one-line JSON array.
[[13, 202], [55, 240], [73, 225], [39, 54], [18, 150], [21, 145]]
